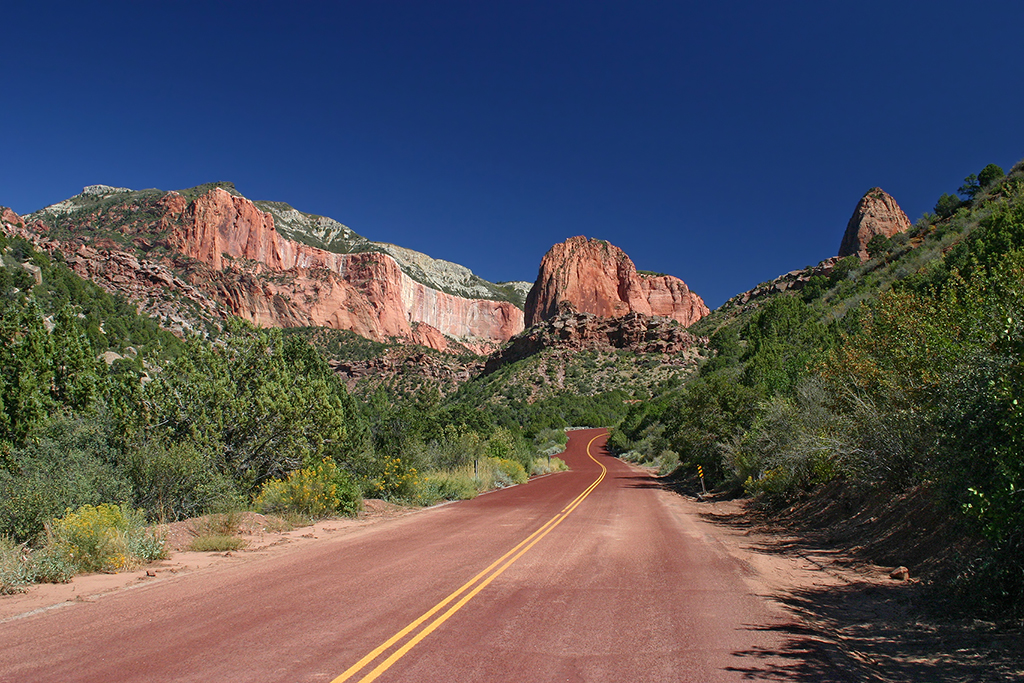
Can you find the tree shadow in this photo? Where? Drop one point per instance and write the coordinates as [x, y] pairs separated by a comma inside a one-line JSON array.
[[641, 481], [870, 632], [802, 657], [864, 631]]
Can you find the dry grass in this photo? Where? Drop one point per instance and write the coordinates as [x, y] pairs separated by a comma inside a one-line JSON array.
[[216, 543]]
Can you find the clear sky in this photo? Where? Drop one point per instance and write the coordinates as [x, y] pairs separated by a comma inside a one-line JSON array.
[[722, 142]]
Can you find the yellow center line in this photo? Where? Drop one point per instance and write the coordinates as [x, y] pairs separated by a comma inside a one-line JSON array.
[[508, 559]]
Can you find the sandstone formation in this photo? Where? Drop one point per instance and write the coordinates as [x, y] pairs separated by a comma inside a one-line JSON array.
[[877, 213], [574, 330], [597, 277], [219, 254]]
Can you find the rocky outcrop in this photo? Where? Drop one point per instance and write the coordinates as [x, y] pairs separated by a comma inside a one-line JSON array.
[[877, 213], [793, 281], [10, 218], [576, 331], [152, 286], [597, 277], [221, 252], [330, 235], [414, 369]]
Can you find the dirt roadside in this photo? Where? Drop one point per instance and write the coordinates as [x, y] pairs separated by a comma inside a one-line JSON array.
[[262, 537], [851, 620]]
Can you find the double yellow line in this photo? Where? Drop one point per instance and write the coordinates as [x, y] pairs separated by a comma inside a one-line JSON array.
[[468, 591]]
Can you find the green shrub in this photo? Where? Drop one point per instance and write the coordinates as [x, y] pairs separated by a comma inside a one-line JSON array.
[[843, 268], [316, 491], [947, 205], [67, 465], [504, 445], [776, 483], [52, 564], [814, 289], [548, 465], [174, 481], [549, 438], [989, 175], [878, 245], [509, 472], [794, 444], [438, 486], [667, 462]]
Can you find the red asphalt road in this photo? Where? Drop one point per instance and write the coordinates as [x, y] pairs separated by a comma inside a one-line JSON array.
[[623, 588]]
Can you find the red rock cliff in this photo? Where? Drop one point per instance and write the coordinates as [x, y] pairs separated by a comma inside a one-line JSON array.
[[367, 293], [246, 268], [597, 277], [877, 213]]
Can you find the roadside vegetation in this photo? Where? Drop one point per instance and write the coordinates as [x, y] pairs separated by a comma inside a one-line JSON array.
[[901, 372], [240, 419]]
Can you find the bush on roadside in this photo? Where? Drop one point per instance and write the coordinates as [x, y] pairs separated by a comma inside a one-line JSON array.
[[438, 486], [316, 491], [548, 465], [105, 537], [215, 543], [509, 472], [172, 481], [667, 462], [52, 564], [550, 436], [66, 465], [481, 475], [15, 570]]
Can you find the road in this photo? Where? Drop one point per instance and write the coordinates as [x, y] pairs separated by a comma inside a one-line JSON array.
[[586, 575]]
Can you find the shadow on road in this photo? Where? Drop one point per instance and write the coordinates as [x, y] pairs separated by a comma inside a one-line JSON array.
[[861, 631], [642, 481]]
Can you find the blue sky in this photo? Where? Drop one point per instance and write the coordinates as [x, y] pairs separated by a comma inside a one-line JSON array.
[[724, 143]]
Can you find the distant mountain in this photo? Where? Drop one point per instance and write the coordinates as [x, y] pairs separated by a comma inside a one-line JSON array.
[[330, 235], [192, 257], [196, 255]]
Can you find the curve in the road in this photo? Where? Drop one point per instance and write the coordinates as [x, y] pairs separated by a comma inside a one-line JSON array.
[[468, 590]]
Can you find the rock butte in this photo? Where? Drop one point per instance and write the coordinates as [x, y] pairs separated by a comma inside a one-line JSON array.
[[877, 213], [597, 277]]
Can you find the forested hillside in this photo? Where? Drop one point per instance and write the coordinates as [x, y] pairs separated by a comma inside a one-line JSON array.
[[103, 413], [899, 372]]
